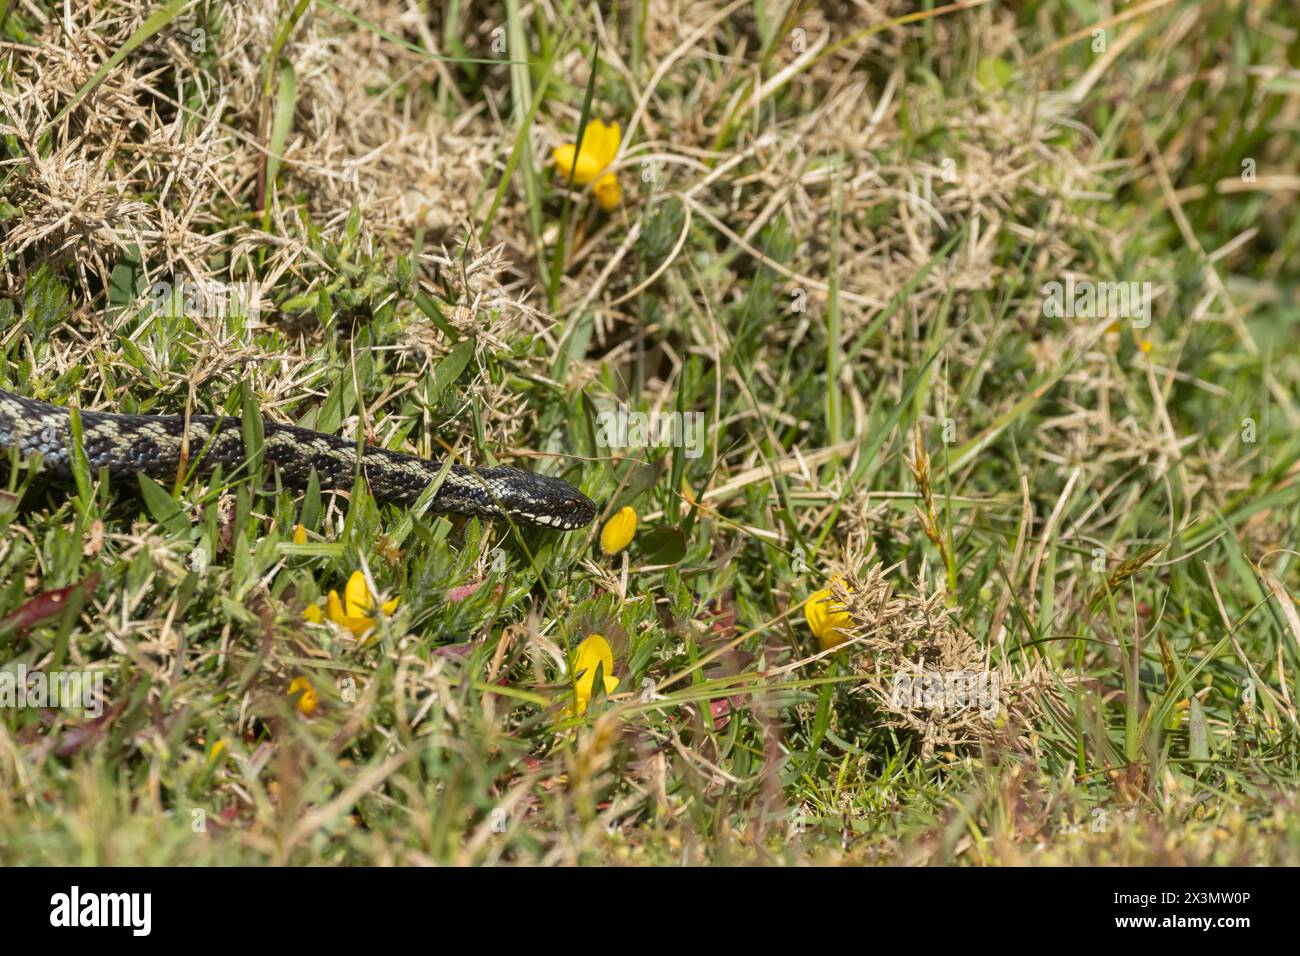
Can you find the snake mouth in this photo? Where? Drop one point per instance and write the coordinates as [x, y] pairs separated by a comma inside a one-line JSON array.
[[539, 501], [567, 511]]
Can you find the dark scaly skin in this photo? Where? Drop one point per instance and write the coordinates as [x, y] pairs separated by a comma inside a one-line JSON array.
[[152, 445]]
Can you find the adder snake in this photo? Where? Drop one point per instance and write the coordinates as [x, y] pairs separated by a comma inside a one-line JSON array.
[[154, 445]]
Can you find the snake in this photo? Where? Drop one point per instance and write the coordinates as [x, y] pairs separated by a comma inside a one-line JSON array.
[[161, 446]]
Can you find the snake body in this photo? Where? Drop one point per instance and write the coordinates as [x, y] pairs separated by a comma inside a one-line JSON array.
[[155, 445]]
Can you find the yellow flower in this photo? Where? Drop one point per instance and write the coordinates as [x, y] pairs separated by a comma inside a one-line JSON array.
[[599, 147], [618, 531], [299, 534], [827, 617], [608, 192], [307, 699], [217, 749], [354, 610], [593, 653]]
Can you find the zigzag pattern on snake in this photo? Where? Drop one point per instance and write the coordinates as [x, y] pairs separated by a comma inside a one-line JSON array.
[[154, 445]]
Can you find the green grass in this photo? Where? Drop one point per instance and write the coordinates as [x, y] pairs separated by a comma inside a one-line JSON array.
[[878, 381]]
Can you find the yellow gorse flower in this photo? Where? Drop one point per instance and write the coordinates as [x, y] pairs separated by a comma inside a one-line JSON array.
[[618, 531], [307, 699], [599, 147], [354, 611], [827, 617], [593, 653]]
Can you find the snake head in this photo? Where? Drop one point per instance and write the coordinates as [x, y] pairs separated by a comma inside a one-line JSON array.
[[539, 501]]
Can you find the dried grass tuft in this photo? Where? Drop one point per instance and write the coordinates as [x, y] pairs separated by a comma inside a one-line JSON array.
[[922, 671]]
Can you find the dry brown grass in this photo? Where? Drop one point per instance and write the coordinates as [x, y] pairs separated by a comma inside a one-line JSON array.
[[830, 174]]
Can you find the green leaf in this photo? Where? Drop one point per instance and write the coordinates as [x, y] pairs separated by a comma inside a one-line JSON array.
[[449, 369], [162, 506], [253, 432], [309, 517], [430, 308], [994, 73], [663, 546], [286, 96], [80, 464], [644, 475]]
